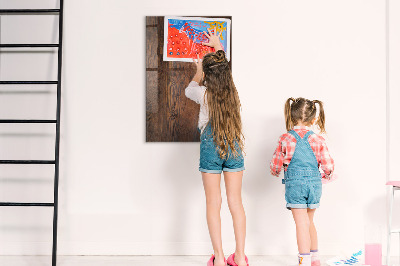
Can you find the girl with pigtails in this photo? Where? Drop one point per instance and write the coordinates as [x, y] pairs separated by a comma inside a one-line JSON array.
[[302, 154]]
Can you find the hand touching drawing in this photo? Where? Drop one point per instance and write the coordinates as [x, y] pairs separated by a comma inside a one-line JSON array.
[[213, 39]]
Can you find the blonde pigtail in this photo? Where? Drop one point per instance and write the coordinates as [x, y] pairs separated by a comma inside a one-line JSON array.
[[288, 114], [321, 116]]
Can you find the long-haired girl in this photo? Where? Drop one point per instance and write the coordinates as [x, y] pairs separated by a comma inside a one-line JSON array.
[[302, 153], [221, 147]]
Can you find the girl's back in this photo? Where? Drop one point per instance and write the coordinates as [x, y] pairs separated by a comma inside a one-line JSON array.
[[302, 153], [287, 146], [220, 147]]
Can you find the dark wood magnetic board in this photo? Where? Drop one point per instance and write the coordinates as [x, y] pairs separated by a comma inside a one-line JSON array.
[[170, 116]]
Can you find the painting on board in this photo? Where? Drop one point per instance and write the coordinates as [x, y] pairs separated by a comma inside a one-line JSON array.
[[170, 115], [183, 37]]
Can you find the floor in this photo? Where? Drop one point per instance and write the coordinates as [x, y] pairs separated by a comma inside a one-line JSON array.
[[143, 260], [135, 260]]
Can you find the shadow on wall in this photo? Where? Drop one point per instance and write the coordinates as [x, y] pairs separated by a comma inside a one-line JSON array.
[[375, 220], [185, 186], [375, 213], [263, 193]]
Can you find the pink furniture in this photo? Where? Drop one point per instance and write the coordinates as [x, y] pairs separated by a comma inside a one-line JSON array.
[[394, 185], [373, 254]]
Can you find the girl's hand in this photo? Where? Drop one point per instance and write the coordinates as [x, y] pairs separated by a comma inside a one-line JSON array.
[[213, 39], [199, 64], [199, 69]]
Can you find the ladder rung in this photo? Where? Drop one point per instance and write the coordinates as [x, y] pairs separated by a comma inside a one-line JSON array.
[[27, 121], [29, 82], [28, 11], [27, 161], [38, 204], [33, 45]]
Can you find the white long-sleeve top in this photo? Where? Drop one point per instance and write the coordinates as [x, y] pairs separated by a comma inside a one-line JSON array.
[[196, 93]]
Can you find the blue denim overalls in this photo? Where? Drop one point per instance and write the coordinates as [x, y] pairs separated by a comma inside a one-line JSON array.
[[302, 181], [211, 162]]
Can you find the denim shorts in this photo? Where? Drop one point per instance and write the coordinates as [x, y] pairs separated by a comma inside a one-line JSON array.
[[303, 193], [211, 161]]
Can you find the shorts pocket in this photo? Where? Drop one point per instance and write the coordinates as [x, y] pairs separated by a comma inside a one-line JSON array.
[[293, 191], [208, 156], [317, 187]]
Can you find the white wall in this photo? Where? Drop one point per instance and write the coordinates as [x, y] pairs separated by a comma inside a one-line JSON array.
[[394, 110], [121, 195]]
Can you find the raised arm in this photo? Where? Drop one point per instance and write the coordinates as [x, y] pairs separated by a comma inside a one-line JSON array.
[[194, 91], [199, 70]]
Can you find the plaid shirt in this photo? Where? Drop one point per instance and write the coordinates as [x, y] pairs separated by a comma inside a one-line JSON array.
[[287, 144]]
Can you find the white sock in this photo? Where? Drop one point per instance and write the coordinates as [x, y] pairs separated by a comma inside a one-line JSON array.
[[314, 255], [305, 260]]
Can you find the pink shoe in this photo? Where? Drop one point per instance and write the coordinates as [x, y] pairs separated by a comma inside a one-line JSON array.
[[231, 260], [316, 263], [211, 261]]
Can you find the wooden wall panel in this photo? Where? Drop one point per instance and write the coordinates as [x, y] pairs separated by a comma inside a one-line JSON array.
[[170, 116]]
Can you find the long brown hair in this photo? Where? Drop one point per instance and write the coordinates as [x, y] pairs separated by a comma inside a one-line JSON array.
[[303, 110], [223, 104]]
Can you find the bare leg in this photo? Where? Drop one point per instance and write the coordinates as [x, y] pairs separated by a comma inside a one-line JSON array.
[[233, 183], [212, 188], [302, 221], [313, 230]]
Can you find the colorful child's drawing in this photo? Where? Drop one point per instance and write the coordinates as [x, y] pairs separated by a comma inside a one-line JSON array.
[[183, 37]]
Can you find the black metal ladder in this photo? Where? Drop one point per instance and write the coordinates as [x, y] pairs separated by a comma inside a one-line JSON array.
[[57, 82]]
